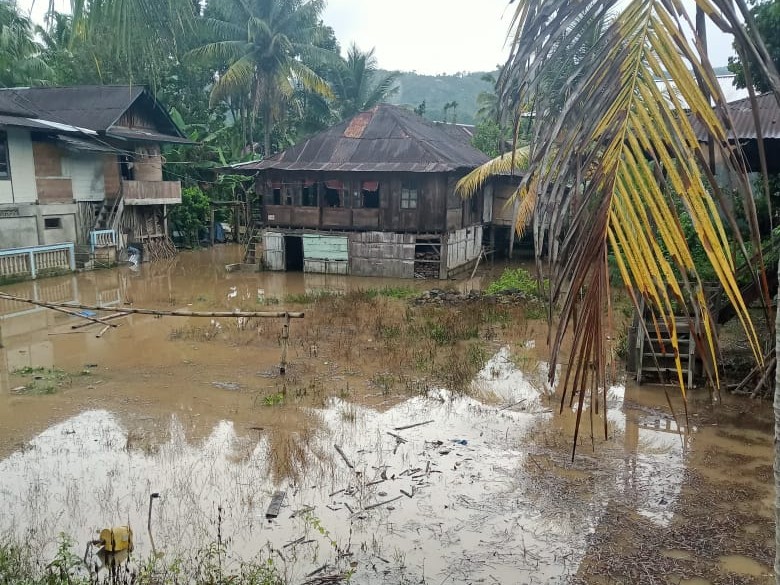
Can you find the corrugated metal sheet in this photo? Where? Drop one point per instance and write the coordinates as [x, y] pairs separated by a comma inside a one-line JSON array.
[[741, 113], [96, 107], [384, 139], [89, 106]]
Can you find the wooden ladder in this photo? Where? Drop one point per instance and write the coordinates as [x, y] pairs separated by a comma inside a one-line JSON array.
[[656, 356]]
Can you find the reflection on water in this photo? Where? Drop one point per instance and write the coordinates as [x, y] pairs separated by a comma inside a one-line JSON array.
[[470, 502]]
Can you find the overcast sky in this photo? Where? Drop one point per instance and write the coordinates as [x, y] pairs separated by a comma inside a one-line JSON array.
[[427, 36]]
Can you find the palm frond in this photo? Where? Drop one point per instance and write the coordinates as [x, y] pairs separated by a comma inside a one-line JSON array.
[[506, 163], [608, 164]]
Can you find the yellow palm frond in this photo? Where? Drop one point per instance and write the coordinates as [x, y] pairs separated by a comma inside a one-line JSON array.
[[615, 169], [504, 164]]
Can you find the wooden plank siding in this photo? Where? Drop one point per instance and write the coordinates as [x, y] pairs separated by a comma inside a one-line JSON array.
[[47, 158], [111, 179], [54, 190], [283, 202], [50, 183]]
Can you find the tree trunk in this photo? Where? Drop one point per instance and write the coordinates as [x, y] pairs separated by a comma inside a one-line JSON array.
[[777, 454], [266, 130]]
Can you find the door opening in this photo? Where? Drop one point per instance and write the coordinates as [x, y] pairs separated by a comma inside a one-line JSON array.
[[293, 253]]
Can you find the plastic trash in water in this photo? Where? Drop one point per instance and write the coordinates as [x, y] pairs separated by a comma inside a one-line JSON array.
[[86, 313], [133, 255]]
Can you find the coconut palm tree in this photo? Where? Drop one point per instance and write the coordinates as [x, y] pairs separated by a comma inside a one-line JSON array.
[[357, 85], [265, 45], [614, 165], [145, 36], [20, 54]]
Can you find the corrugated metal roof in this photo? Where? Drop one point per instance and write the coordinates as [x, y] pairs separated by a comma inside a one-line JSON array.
[[385, 139], [93, 107], [741, 114], [9, 105], [21, 122], [145, 135]]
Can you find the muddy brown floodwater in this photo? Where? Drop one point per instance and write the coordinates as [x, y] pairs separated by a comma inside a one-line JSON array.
[[484, 492]]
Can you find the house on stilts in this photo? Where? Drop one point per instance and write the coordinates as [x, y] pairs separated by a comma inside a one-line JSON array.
[[372, 196]]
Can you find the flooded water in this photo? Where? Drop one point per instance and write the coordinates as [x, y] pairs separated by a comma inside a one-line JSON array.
[[432, 487]]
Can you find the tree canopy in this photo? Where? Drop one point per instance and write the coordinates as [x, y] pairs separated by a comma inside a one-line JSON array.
[[766, 23]]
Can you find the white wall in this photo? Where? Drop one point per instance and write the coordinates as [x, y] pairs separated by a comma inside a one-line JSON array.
[[66, 212], [86, 174], [21, 187], [22, 166]]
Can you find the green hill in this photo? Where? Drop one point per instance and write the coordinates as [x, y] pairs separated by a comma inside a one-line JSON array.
[[438, 90]]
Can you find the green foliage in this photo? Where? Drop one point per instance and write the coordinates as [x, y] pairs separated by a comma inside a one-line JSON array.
[[309, 297], [276, 399], [357, 84], [192, 215], [17, 567], [20, 54], [268, 48], [767, 18], [433, 92], [516, 279], [489, 138], [41, 380]]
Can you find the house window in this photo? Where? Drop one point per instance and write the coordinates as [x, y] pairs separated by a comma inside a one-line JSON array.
[[408, 196], [52, 223], [5, 168], [370, 194], [309, 193], [333, 190]]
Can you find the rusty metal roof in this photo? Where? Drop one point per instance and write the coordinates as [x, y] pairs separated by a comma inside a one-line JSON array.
[[384, 139], [741, 113]]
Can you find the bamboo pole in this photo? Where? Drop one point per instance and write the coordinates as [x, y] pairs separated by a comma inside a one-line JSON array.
[[58, 307], [109, 318], [130, 310]]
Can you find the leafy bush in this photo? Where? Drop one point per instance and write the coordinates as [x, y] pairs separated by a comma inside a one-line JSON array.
[[516, 279], [192, 215]]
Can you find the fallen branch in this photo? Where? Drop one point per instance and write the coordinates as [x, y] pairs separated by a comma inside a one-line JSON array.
[[56, 307], [372, 506], [109, 318], [419, 424], [344, 457], [398, 438], [131, 311]]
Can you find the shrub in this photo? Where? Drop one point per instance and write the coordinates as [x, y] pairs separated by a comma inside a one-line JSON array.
[[516, 279]]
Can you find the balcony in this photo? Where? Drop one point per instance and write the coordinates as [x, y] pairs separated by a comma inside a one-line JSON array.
[[151, 192]]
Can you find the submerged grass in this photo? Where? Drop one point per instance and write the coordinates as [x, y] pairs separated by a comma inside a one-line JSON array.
[[41, 381], [207, 566]]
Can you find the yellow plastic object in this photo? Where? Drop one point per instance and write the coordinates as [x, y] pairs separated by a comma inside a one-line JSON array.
[[118, 538]]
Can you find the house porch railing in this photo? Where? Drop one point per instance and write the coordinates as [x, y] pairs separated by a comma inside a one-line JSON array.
[[102, 239], [37, 260]]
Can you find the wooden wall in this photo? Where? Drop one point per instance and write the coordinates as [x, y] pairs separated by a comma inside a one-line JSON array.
[[50, 183], [111, 175], [438, 208]]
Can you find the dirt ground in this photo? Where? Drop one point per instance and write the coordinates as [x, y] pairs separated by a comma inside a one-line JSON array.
[[484, 491]]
